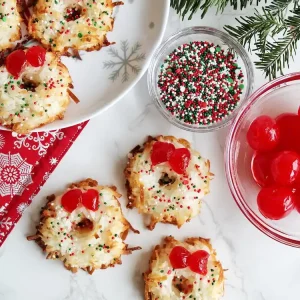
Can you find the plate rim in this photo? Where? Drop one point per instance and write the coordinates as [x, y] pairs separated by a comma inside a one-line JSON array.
[[121, 95]]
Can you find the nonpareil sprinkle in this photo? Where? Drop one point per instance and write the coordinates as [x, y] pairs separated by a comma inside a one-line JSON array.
[[200, 83]]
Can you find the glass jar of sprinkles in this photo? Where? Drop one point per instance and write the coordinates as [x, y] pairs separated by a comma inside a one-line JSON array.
[[199, 78]]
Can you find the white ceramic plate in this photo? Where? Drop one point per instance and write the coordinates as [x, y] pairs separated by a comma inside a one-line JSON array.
[[104, 77]]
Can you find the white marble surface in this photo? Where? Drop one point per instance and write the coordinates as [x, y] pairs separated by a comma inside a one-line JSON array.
[[258, 267]]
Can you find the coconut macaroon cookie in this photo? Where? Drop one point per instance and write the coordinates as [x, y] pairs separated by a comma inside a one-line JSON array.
[[10, 19], [84, 227], [81, 25], [184, 270], [166, 179], [34, 89]]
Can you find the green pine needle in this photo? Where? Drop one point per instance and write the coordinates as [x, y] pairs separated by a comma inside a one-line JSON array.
[[272, 34], [184, 7], [278, 54]]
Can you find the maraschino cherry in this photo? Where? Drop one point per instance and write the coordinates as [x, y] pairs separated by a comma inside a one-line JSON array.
[[179, 257], [179, 160], [289, 126], [15, 62], [263, 134], [275, 202], [71, 199], [275, 164], [90, 199], [285, 168], [36, 56], [197, 262], [161, 152], [261, 168]]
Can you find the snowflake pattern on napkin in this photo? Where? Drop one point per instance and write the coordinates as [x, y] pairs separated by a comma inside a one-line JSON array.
[[26, 162]]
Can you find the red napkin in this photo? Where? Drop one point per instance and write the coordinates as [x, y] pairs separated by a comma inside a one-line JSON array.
[[26, 162]]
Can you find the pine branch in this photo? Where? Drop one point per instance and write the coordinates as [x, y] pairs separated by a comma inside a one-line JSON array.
[[184, 7], [279, 5], [277, 56], [260, 25], [279, 53], [271, 33], [275, 36], [219, 4]]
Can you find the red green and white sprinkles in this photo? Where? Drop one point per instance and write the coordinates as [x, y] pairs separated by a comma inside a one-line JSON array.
[[200, 83]]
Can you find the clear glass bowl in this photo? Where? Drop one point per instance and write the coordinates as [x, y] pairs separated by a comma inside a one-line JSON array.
[[188, 35], [276, 97]]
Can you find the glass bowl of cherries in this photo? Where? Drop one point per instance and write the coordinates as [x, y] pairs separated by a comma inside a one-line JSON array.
[[262, 159]]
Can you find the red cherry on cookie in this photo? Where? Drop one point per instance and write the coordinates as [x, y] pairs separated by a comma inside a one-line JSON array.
[[275, 202], [285, 168], [263, 134], [179, 257], [36, 56], [161, 152], [261, 168], [15, 61], [90, 199], [71, 199], [289, 126], [180, 160], [198, 262]]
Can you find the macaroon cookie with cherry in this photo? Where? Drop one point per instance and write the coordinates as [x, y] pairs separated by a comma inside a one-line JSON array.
[[167, 179], [34, 89], [184, 270], [275, 164], [84, 227]]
